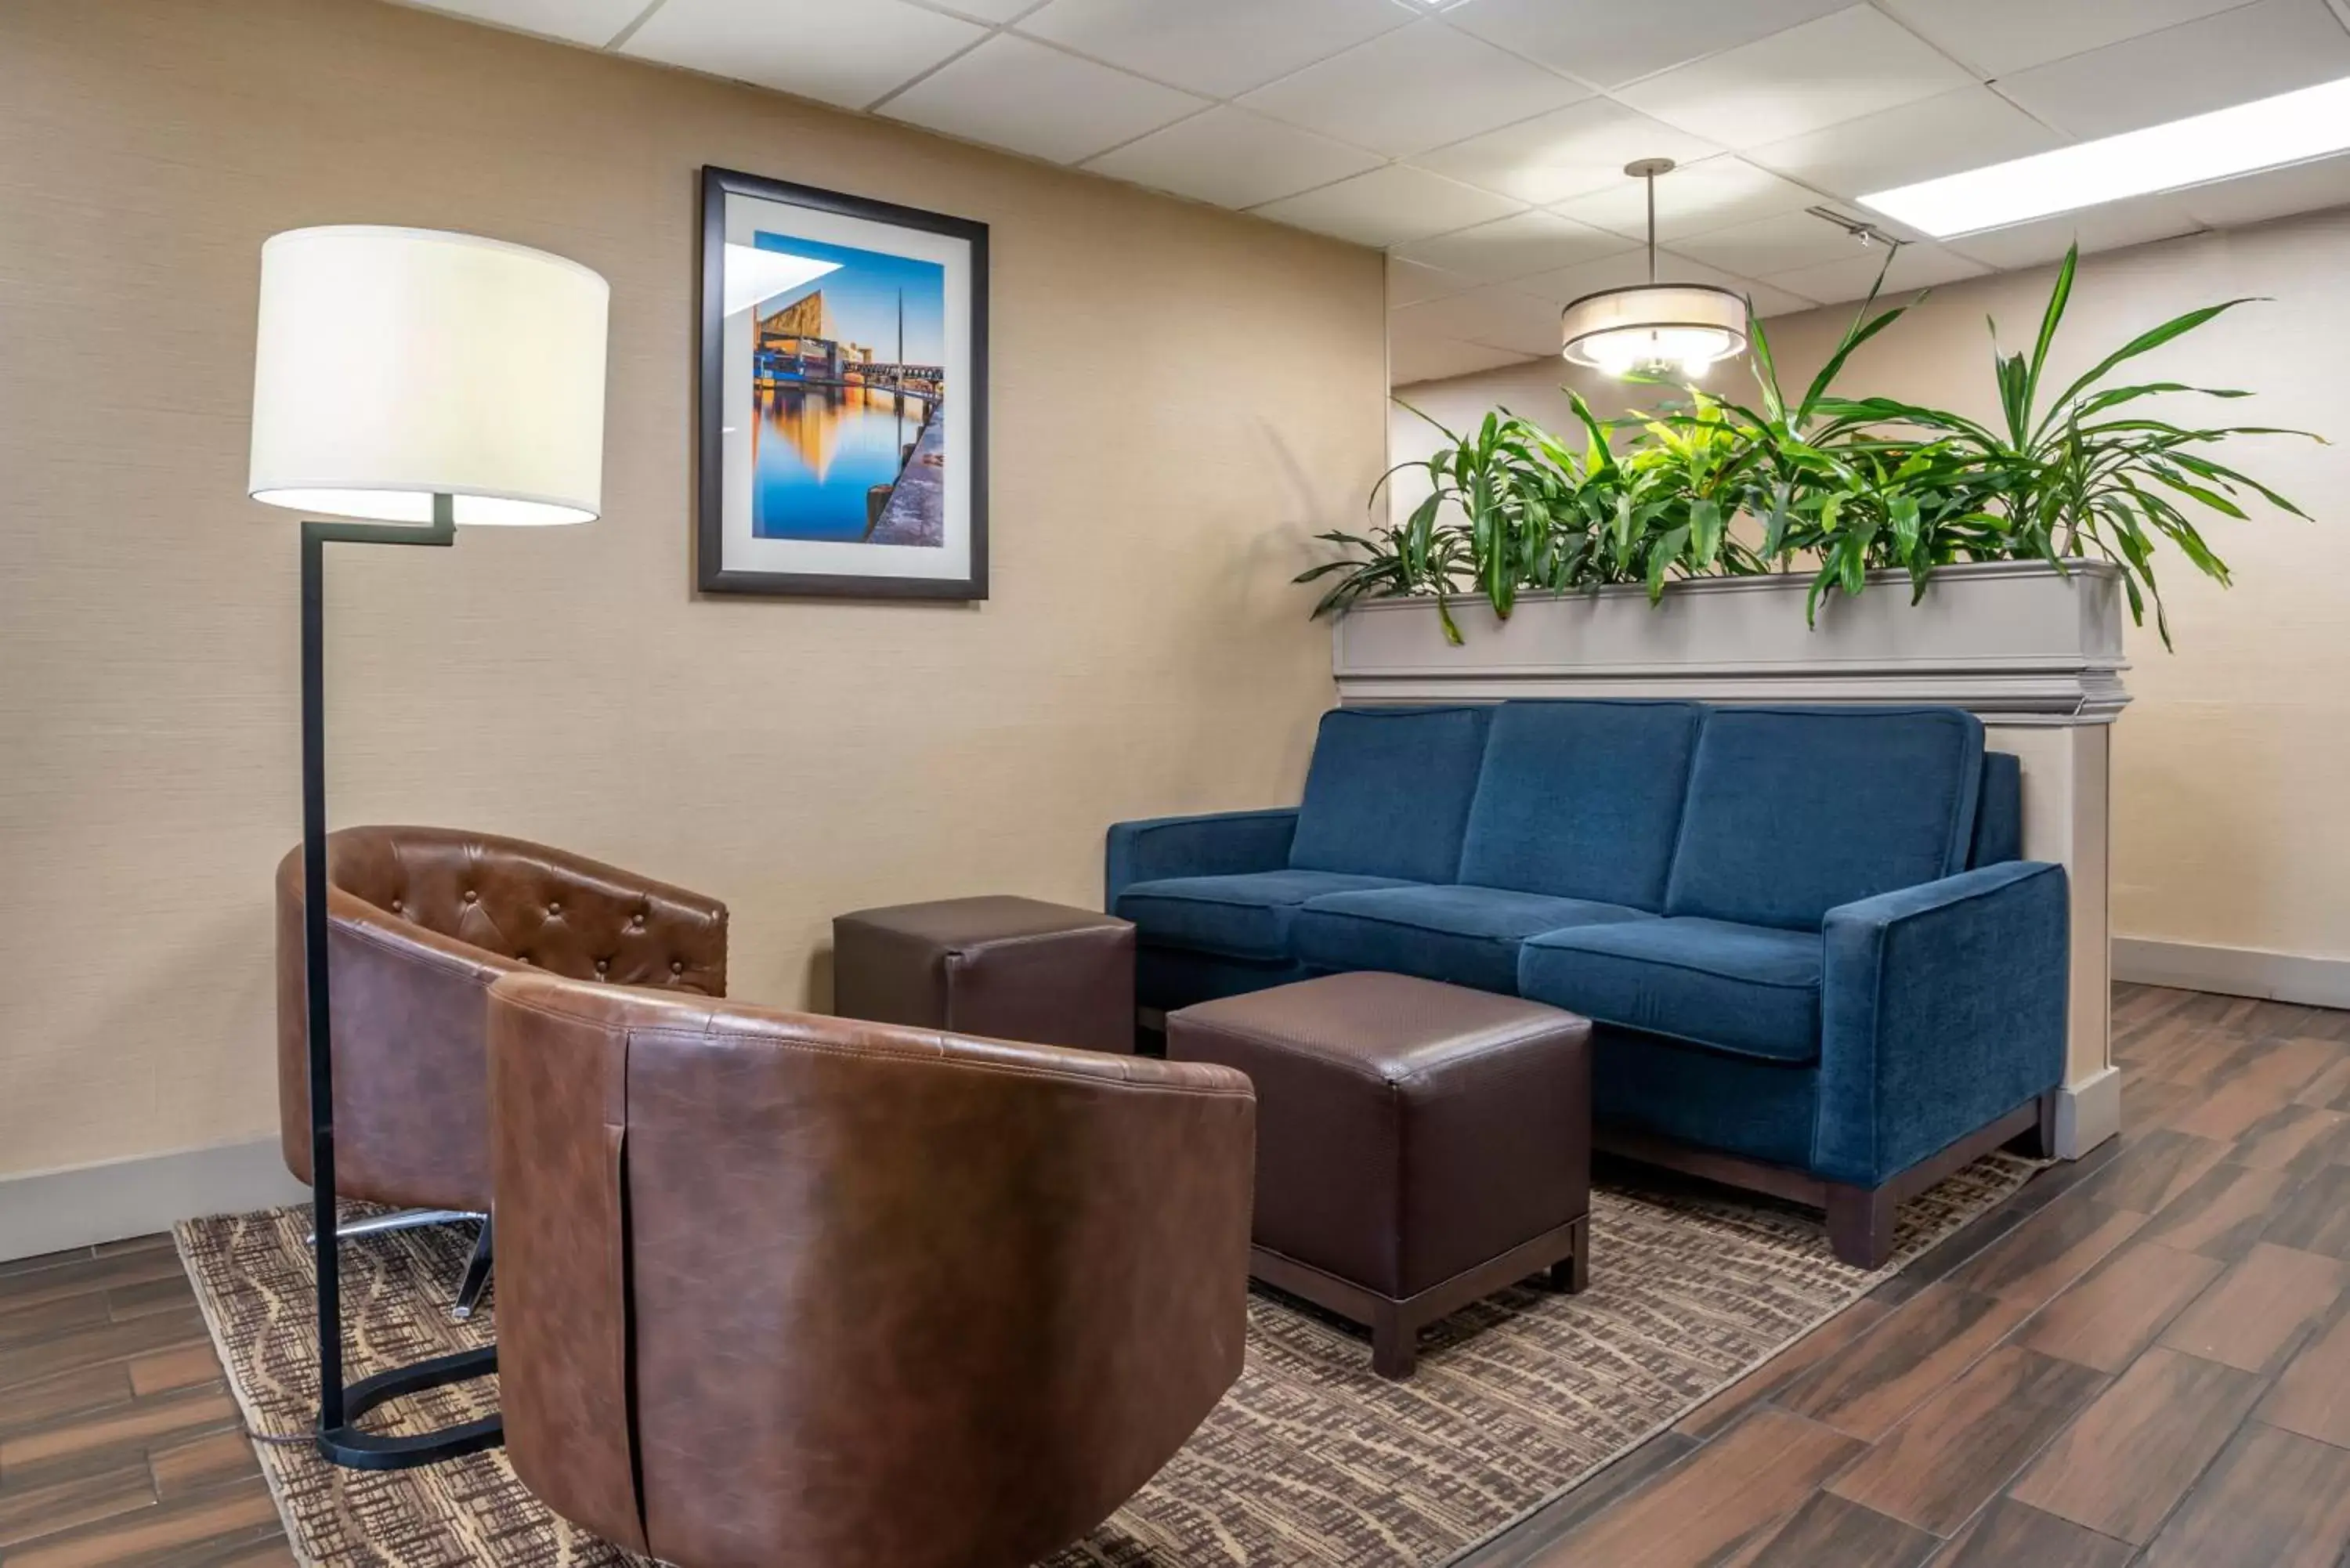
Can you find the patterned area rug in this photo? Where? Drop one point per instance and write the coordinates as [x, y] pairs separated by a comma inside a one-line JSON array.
[[1309, 1460]]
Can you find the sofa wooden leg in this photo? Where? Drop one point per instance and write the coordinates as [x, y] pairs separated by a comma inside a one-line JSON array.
[[1395, 1344], [1572, 1273], [1860, 1224], [2042, 1142]]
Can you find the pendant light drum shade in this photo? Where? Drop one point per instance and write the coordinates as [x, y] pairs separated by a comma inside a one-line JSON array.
[[395, 365], [1653, 327]]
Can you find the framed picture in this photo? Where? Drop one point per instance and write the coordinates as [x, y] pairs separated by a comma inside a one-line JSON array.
[[843, 419]]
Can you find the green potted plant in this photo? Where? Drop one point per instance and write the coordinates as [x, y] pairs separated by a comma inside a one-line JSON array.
[[1824, 492]]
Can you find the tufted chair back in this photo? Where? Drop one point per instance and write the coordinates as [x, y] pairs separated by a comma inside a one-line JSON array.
[[421, 922], [538, 906]]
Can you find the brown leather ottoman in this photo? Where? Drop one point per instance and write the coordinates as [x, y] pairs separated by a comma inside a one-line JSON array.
[[1418, 1146], [1009, 969]]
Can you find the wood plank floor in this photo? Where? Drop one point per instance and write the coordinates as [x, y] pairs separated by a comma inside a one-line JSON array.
[[2143, 1357], [118, 1441]]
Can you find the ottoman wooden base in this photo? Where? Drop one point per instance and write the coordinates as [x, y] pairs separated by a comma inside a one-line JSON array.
[[1563, 1256]]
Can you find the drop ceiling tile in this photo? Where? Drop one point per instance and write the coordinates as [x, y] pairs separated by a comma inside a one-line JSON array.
[[1609, 43], [1691, 200], [1961, 129], [1571, 152], [1408, 283], [2253, 51], [595, 23], [1496, 315], [1769, 300], [987, 10], [1772, 245], [1233, 159], [1420, 87], [1821, 73], [1388, 206], [1922, 264], [847, 55], [2275, 193], [1011, 93], [1220, 47], [1516, 247], [1570, 283], [2138, 220], [1999, 36], [1425, 356]]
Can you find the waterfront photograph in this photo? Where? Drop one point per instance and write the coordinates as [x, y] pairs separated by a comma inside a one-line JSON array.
[[849, 380]]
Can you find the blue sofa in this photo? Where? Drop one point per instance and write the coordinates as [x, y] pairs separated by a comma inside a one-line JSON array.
[[1817, 964]]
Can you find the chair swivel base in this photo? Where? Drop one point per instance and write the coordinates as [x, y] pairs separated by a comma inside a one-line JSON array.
[[348, 1446]]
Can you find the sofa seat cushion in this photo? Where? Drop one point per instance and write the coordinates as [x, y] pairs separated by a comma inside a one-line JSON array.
[[1467, 936], [1751, 990], [1245, 915]]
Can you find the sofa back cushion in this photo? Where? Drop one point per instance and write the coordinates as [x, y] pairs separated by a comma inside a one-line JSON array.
[[1793, 811], [1388, 791], [1582, 800], [1999, 812]]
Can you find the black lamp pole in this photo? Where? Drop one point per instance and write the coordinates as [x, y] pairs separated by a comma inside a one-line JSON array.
[[339, 1407]]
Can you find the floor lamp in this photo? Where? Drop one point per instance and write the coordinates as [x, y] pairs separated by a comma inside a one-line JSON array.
[[424, 381]]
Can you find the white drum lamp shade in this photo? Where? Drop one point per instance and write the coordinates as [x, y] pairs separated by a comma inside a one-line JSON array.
[[1655, 327], [395, 365]]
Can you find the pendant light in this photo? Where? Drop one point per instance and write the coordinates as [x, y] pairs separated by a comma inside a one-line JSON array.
[[1654, 328]]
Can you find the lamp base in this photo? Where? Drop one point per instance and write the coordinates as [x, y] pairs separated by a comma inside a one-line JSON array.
[[348, 1446]]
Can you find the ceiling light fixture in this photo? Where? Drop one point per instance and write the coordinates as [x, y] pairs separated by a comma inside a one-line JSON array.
[[1654, 328], [2291, 128]]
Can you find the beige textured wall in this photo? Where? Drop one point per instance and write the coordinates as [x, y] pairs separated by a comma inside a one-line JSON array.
[[2228, 767], [1180, 398]]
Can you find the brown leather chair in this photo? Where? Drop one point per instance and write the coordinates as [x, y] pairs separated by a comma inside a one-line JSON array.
[[783, 1291], [421, 920]]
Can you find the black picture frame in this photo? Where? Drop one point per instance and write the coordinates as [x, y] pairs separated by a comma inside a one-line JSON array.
[[711, 574]]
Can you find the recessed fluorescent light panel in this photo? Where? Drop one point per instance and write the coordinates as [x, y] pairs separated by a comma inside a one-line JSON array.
[[2292, 128]]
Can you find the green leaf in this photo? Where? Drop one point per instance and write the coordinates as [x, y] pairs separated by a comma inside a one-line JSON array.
[[1666, 552], [1774, 527], [1901, 512], [1706, 531], [1766, 369], [2145, 342], [2049, 321], [1854, 336]]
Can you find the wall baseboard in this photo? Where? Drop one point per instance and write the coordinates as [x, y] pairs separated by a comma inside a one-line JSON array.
[[2088, 1113], [50, 1210], [2234, 972]]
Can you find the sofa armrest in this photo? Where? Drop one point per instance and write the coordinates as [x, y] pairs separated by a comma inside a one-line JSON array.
[[1944, 1007], [1221, 844]]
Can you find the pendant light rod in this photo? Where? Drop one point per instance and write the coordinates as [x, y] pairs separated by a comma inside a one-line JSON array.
[[1648, 169]]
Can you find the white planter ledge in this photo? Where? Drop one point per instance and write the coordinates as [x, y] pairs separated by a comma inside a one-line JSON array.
[[2012, 641], [2036, 653]]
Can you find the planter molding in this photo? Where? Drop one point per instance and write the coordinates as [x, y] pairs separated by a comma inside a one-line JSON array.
[[2035, 653], [2012, 641]]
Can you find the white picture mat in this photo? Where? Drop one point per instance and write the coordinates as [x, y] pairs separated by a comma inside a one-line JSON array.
[[746, 218]]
